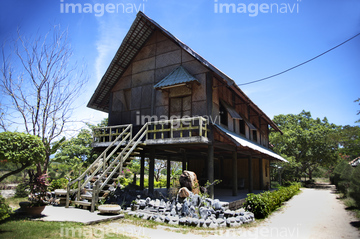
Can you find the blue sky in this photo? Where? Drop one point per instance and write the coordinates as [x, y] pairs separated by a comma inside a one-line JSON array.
[[244, 45]]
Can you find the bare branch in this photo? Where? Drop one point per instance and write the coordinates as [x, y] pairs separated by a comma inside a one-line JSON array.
[[39, 84]]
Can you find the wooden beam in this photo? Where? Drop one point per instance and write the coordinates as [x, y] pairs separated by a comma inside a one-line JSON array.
[[168, 172], [210, 169], [251, 186], [234, 176], [184, 161], [261, 176], [142, 170], [151, 171]]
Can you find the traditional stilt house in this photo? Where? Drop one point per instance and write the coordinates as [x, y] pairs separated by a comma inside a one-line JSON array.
[[169, 103]]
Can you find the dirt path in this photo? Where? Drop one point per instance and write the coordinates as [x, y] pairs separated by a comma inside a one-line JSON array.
[[314, 213]]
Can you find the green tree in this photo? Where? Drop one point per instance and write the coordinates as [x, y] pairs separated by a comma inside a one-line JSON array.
[[72, 156], [21, 151], [76, 147], [311, 142], [355, 185], [349, 140]]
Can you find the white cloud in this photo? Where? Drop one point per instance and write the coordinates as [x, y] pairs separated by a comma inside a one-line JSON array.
[[112, 29]]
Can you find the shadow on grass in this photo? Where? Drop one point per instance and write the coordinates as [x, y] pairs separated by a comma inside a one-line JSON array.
[[352, 208], [355, 224], [19, 216]]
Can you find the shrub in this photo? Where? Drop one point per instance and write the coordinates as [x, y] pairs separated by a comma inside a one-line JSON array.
[[265, 203], [60, 183], [160, 184], [5, 210], [124, 181], [345, 177], [21, 150], [335, 177], [355, 185], [341, 176], [22, 190]]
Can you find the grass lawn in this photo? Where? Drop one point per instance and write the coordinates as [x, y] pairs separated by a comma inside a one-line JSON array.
[[351, 206], [17, 227]]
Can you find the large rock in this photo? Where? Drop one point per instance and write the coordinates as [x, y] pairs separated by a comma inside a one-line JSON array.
[[184, 192], [189, 180]]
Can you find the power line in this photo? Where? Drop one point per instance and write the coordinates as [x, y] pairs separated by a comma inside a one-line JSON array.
[[266, 78]]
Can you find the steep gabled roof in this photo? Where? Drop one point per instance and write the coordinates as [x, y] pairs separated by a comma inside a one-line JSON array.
[[140, 31]]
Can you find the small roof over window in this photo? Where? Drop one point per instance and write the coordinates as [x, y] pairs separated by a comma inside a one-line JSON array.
[[179, 76], [236, 115], [231, 110]]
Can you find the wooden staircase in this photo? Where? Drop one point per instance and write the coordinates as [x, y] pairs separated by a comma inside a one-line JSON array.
[[104, 171]]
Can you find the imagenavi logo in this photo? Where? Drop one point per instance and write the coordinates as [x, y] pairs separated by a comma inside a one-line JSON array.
[[254, 9], [99, 9]]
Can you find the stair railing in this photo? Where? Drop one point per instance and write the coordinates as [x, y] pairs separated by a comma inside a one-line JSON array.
[[100, 164], [119, 160]]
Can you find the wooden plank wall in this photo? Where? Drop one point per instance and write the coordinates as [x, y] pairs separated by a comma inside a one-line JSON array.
[[134, 93]]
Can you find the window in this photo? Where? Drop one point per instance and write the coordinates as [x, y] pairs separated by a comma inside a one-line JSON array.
[[223, 115], [242, 126], [180, 106], [254, 134]]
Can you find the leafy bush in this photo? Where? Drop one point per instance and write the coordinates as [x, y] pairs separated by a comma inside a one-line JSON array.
[[345, 177], [341, 177], [355, 185], [60, 183], [20, 150], [258, 204], [335, 176], [160, 184], [5, 210], [265, 203], [22, 190], [124, 181]]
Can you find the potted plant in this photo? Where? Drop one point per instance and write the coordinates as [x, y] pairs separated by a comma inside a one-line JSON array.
[[38, 184]]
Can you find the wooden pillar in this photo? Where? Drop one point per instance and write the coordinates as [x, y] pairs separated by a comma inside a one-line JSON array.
[[211, 170], [269, 175], [142, 170], [184, 162], [261, 175], [151, 171], [235, 176], [168, 172], [209, 109], [250, 174]]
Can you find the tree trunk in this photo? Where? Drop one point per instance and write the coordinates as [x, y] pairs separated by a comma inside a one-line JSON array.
[[13, 172], [310, 173]]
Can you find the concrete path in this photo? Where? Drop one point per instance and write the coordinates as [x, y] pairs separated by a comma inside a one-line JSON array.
[[313, 214], [72, 214]]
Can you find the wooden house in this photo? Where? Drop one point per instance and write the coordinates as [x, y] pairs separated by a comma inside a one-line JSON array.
[[180, 107]]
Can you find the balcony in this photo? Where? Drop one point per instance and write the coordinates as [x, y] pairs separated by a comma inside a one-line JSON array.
[[174, 131]]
